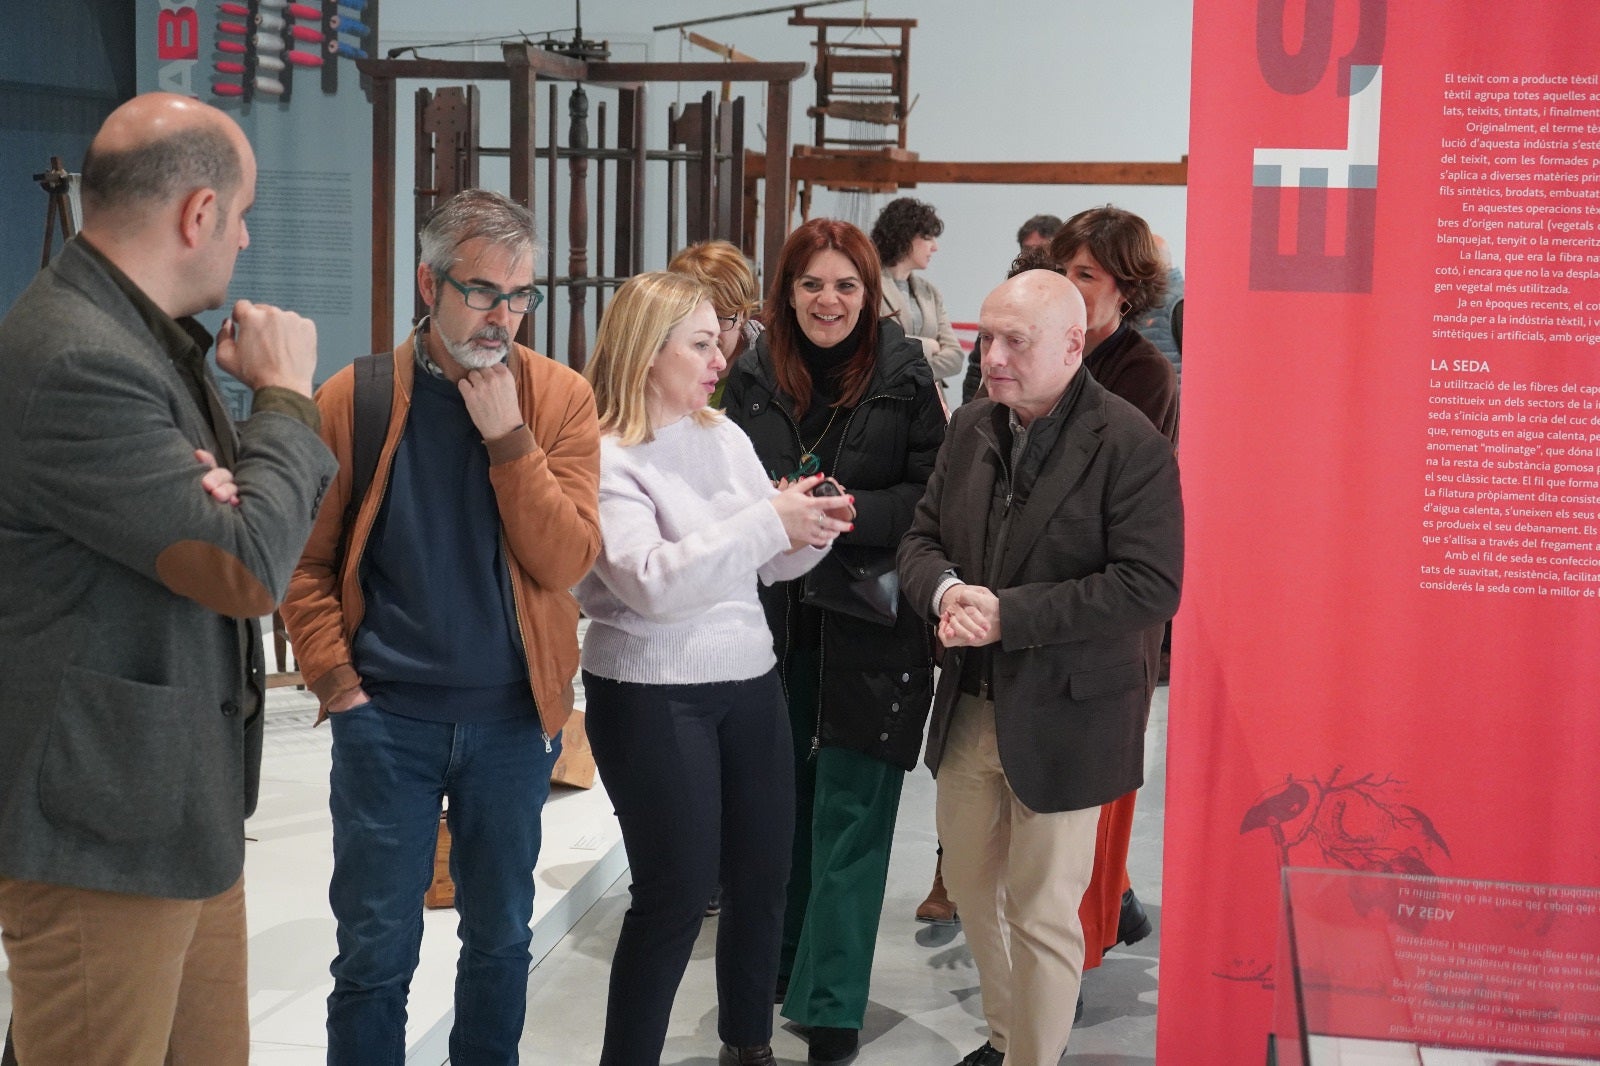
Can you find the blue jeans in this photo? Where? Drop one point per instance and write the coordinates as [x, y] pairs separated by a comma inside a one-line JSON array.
[[389, 775]]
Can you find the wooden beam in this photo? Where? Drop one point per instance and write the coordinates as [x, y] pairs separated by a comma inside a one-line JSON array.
[[601, 73], [543, 63], [775, 221], [434, 69], [906, 172], [524, 128], [383, 167], [554, 65], [726, 51]]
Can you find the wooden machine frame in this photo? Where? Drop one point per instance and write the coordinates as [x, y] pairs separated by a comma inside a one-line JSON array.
[[525, 66]]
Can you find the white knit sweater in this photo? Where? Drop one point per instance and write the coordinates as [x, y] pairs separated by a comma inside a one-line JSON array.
[[686, 528]]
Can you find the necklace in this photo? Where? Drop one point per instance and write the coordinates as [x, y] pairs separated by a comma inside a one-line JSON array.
[[808, 456]]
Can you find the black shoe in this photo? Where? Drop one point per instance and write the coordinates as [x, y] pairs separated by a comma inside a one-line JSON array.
[[984, 1056], [1133, 924], [781, 993], [746, 1056], [714, 907], [829, 1044], [1077, 1013]]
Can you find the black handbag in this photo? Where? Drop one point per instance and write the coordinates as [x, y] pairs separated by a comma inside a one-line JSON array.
[[861, 583]]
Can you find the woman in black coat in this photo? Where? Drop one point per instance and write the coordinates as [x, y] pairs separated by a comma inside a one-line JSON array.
[[830, 387]]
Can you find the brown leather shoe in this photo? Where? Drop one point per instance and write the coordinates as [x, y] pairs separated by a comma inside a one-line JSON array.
[[937, 908], [746, 1056]]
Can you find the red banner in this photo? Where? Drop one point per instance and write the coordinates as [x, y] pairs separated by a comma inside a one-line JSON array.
[[1389, 652]]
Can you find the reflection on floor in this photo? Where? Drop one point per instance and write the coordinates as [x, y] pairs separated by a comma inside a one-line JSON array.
[[288, 861], [924, 1007], [287, 867]]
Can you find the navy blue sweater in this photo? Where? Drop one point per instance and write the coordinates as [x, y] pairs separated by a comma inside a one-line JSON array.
[[439, 639]]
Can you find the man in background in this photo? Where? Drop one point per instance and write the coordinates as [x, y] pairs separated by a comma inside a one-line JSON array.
[[1037, 232]]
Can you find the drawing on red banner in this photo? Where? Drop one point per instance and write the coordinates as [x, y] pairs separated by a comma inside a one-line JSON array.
[[1357, 823]]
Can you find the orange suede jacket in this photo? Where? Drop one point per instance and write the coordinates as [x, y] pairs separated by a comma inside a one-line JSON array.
[[546, 479]]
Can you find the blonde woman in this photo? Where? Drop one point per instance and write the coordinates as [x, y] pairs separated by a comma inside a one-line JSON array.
[[685, 712], [731, 285]]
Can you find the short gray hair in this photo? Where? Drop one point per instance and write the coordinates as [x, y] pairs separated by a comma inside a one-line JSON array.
[[475, 214]]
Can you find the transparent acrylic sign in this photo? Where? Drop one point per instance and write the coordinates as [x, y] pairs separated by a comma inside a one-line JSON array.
[[1392, 968]]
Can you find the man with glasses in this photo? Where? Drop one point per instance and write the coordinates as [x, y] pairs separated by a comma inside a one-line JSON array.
[[432, 619]]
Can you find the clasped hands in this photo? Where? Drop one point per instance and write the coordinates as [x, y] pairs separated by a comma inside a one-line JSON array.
[[969, 617]]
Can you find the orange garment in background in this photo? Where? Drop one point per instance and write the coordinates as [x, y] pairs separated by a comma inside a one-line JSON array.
[[1102, 903]]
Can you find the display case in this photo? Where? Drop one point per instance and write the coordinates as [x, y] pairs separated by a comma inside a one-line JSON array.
[[1384, 969]]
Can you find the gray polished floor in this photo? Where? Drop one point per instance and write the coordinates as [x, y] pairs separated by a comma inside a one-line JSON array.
[[924, 1008]]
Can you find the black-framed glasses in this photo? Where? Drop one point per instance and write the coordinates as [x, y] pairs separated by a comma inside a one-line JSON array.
[[482, 298], [728, 323]]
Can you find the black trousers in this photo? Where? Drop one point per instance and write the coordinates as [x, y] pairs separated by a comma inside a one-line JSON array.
[[702, 778]]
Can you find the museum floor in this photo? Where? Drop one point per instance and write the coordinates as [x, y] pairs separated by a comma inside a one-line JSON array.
[[924, 1008]]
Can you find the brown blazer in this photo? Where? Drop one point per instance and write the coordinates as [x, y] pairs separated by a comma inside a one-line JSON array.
[[1092, 561], [546, 478]]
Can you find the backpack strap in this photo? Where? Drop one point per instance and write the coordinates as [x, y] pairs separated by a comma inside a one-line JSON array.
[[374, 403]]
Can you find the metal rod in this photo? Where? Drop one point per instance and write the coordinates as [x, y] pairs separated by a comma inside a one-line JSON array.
[[791, 8]]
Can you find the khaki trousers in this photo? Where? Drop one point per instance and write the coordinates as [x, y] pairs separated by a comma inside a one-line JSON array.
[[108, 979], [1017, 877]]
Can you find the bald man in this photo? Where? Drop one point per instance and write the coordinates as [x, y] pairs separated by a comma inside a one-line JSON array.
[[1049, 540], [142, 536]]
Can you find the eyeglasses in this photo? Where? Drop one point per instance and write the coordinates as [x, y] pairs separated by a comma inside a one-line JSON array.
[[481, 298], [728, 322]]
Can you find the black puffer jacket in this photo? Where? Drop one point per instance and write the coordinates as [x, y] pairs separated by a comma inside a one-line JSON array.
[[877, 681]]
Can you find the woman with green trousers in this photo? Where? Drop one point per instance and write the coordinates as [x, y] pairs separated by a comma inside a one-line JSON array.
[[830, 388]]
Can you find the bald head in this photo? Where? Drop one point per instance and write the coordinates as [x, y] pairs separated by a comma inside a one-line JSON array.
[[166, 184], [1032, 328], [1164, 250], [153, 152], [1041, 296]]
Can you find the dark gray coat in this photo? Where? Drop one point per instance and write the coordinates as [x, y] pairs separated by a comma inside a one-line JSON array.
[[1092, 561], [128, 756]]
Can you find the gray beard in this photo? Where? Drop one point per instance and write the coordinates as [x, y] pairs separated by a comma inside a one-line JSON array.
[[470, 356]]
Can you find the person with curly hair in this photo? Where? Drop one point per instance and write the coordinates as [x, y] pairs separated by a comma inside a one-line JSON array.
[[906, 236]]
